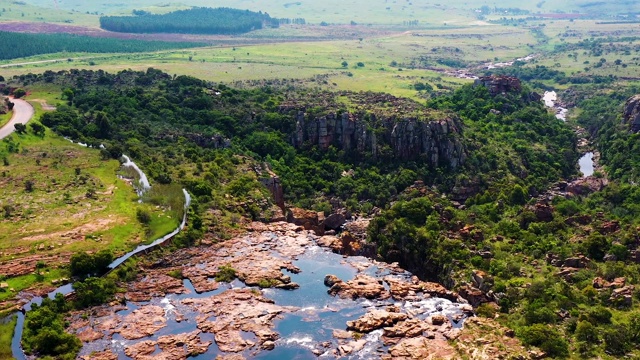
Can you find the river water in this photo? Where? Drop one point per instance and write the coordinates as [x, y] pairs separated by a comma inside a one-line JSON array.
[[550, 98], [300, 331], [586, 162]]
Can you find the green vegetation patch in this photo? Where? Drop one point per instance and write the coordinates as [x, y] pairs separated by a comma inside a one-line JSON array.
[[7, 326], [198, 20], [19, 45]]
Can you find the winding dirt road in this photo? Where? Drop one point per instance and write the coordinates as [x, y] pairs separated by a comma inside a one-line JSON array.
[[22, 113]]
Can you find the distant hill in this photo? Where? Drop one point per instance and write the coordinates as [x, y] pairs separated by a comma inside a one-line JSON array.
[[197, 20]]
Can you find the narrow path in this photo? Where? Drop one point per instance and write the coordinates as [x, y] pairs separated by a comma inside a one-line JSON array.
[[22, 113]]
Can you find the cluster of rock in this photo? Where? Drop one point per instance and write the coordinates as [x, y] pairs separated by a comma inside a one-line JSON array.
[[316, 221], [499, 84]]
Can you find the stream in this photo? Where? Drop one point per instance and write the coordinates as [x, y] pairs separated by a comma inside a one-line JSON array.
[[586, 162], [16, 347]]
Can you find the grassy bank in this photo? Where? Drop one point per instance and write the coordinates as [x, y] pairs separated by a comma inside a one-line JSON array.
[[6, 333]]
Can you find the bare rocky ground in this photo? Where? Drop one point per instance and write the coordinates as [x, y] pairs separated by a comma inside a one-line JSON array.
[[163, 317]]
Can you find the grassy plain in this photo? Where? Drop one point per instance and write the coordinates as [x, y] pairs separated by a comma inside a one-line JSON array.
[[361, 11], [21, 11]]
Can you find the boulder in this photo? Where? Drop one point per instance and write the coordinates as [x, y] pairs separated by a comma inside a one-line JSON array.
[[498, 84], [404, 329], [362, 286], [544, 212], [330, 280], [482, 280], [617, 283], [473, 295], [587, 185], [103, 355], [622, 297], [309, 220], [334, 221], [599, 283], [374, 320], [609, 227], [438, 320], [579, 262], [423, 348]]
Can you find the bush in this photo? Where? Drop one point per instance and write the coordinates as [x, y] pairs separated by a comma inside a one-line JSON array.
[[585, 331], [546, 338], [143, 216], [486, 310], [617, 340], [225, 273], [83, 264], [93, 291]]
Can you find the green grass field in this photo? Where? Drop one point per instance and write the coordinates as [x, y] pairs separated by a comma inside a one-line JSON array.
[[4, 118], [24, 11], [375, 12]]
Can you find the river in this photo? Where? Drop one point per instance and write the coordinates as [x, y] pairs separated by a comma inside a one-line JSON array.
[[305, 327], [312, 313], [550, 99], [586, 162]]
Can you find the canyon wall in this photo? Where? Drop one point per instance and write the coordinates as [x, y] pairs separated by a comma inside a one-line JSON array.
[[438, 142]]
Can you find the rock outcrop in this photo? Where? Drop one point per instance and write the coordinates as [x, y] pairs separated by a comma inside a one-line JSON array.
[[374, 320], [499, 84], [632, 113], [272, 182], [382, 126]]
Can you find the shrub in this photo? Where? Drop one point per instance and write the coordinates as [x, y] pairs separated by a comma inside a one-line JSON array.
[[486, 310], [225, 273], [143, 216], [617, 340], [546, 338]]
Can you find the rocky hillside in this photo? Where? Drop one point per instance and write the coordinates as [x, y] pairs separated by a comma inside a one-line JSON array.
[[379, 125], [632, 113]]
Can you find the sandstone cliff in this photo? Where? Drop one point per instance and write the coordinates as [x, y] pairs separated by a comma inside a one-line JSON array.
[[380, 126], [632, 113]]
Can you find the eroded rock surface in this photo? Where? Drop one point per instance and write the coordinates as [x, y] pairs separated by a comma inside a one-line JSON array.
[[237, 311], [412, 317], [374, 320]]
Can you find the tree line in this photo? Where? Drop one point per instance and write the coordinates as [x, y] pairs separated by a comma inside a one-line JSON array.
[[198, 20], [19, 45]]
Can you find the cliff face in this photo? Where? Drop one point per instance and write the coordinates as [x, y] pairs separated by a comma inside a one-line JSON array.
[[499, 84], [438, 142], [632, 113]]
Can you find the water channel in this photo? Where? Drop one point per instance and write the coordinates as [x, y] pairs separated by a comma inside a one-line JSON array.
[[586, 162]]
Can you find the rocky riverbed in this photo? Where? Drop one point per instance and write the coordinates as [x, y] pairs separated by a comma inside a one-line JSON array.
[[291, 299]]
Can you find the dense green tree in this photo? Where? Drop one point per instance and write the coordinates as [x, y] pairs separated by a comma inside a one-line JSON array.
[[18, 45], [197, 20]]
